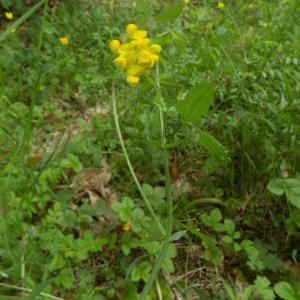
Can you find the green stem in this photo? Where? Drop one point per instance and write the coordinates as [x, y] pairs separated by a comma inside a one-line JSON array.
[[121, 140], [28, 290], [28, 126], [164, 248], [21, 20]]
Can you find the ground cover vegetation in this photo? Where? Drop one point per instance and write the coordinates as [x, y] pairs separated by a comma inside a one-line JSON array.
[[149, 149]]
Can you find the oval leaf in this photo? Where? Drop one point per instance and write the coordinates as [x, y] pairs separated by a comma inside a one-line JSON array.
[[170, 13], [197, 102]]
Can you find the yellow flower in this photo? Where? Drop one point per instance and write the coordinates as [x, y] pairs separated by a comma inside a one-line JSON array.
[[155, 48], [132, 80], [114, 46], [263, 24], [121, 62], [220, 5], [64, 41], [186, 1], [137, 56], [127, 226], [13, 30], [139, 35], [140, 42], [9, 15], [131, 29]]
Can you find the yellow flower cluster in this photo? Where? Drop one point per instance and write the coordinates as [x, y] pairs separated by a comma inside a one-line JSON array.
[[220, 5], [137, 56]]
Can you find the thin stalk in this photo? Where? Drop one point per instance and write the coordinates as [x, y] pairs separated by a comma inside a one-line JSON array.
[[28, 125], [29, 291], [138, 185], [21, 20], [164, 248]]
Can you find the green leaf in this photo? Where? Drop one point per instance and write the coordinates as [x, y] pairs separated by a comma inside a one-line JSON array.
[[216, 215], [214, 254], [230, 291], [229, 226], [276, 186], [152, 247], [156, 195], [139, 220], [170, 13], [124, 209], [285, 291], [144, 6], [227, 239], [64, 278], [178, 235], [293, 185], [213, 219], [295, 216], [237, 247], [142, 271], [213, 146], [39, 289], [72, 162], [293, 198], [262, 285], [129, 291], [168, 265], [247, 293], [197, 102]]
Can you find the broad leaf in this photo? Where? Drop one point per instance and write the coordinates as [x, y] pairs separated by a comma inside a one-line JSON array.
[[39, 289], [197, 102], [170, 13], [276, 186], [129, 291], [214, 147], [285, 291], [293, 198]]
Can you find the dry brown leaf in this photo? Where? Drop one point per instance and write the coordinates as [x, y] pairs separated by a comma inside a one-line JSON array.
[[95, 182]]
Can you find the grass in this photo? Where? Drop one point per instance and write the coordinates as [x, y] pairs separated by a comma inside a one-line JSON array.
[[189, 190]]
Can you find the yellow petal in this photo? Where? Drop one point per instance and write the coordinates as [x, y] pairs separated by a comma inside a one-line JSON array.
[[127, 226], [221, 5], [121, 61], [154, 59], [64, 40], [135, 70], [131, 28], [155, 48], [9, 15], [145, 57], [133, 80], [114, 46], [140, 34]]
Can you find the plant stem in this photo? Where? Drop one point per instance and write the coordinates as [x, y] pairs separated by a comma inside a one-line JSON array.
[[28, 290], [21, 20], [164, 248], [38, 73], [139, 187]]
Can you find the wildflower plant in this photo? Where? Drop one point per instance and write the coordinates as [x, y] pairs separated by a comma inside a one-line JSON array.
[[136, 57]]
